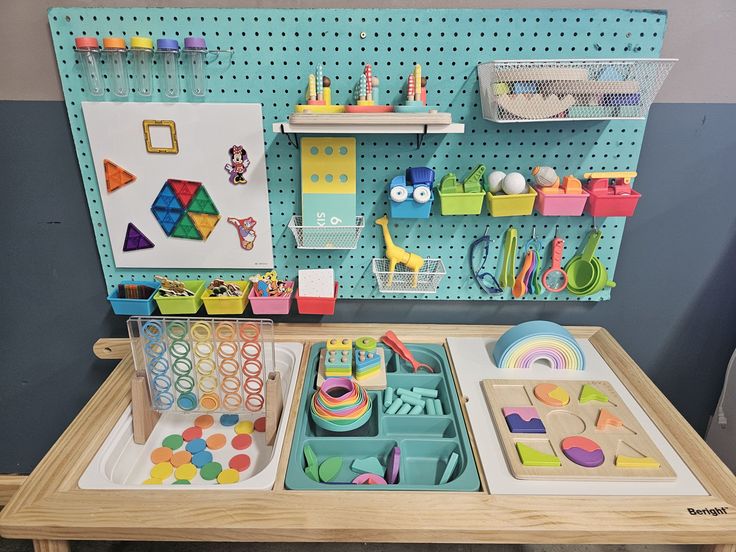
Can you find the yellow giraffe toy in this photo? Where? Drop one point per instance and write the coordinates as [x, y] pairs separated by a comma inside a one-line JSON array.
[[396, 254]]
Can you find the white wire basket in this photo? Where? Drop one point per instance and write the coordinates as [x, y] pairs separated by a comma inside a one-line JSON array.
[[402, 280], [570, 89], [326, 237]]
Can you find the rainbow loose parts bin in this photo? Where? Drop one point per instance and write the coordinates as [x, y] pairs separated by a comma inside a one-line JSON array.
[[529, 342], [340, 405]]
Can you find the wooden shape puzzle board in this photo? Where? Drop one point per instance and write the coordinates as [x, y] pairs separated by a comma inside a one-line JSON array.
[[572, 419], [273, 50]]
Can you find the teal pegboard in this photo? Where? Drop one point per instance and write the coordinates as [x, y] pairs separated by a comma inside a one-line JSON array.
[[274, 50]]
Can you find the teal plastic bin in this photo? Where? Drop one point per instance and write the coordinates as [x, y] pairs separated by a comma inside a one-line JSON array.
[[426, 442]]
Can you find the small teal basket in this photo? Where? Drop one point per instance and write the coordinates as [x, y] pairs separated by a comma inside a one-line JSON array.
[[134, 307]]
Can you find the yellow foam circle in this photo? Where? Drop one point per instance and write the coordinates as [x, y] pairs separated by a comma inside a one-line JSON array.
[[244, 427], [162, 470], [186, 471], [153, 481], [228, 477]]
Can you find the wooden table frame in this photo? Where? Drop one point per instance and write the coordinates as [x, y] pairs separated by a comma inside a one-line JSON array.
[[52, 510]]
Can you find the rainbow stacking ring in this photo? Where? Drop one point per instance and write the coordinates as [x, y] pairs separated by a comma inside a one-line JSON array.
[[529, 342], [340, 405]]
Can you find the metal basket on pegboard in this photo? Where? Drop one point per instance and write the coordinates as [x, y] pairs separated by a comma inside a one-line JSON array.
[[402, 280], [326, 237], [572, 89]]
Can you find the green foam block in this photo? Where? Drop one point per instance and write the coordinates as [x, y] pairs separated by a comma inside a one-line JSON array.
[[312, 469], [329, 469], [368, 465]]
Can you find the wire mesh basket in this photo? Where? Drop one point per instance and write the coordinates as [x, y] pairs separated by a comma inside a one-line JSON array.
[[573, 89], [402, 280], [326, 237]]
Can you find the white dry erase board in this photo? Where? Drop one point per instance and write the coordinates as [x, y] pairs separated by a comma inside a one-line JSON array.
[[204, 133]]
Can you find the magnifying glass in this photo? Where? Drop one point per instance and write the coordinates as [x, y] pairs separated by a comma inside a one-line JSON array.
[[554, 278]]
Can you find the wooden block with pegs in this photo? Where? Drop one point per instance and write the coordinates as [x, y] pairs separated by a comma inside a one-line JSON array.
[[593, 435]]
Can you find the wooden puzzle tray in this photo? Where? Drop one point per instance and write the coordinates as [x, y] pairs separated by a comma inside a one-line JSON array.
[[571, 430]]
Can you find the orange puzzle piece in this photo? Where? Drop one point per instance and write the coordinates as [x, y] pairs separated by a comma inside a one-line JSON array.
[[605, 419], [116, 176]]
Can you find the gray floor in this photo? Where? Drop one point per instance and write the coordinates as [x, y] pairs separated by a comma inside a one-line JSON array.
[[25, 546]]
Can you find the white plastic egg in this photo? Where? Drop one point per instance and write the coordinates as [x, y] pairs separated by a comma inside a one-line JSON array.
[[514, 183], [494, 181]]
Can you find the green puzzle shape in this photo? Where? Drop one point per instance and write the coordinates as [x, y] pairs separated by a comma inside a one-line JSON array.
[[186, 229], [202, 203], [589, 393], [532, 457]]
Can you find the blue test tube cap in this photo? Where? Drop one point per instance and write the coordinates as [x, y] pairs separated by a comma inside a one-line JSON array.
[[167, 44]]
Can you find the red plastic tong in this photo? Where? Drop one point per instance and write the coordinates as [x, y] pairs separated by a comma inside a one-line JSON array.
[[397, 346]]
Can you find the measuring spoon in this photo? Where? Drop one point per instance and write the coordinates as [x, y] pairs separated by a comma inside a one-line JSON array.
[[582, 273], [520, 287]]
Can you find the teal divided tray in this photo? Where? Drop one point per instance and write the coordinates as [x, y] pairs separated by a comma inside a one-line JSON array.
[[426, 442]]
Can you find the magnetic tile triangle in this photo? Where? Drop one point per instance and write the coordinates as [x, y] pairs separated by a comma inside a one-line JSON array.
[[116, 176], [202, 203], [186, 229], [204, 223], [606, 420], [135, 239], [184, 190], [166, 198], [167, 218]]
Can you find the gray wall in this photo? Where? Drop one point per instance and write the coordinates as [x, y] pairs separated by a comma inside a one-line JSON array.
[[678, 323]]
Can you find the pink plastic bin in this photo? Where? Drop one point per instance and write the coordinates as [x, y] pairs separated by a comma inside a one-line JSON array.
[[270, 305], [317, 305], [603, 204], [560, 205]]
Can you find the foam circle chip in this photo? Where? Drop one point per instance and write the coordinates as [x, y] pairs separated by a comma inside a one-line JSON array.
[[242, 441], [228, 477], [162, 471], [216, 441], [583, 451], [202, 458], [192, 433], [197, 445], [529, 342], [180, 458], [185, 472], [244, 427], [173, 441], [161, 454], [260, 424], [153, 481], [228, 420], [210, 471], [181, 482], [204, 421], [240, 462]]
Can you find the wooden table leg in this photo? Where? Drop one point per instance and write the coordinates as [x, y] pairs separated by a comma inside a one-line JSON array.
[[40, 545], [717, 548]]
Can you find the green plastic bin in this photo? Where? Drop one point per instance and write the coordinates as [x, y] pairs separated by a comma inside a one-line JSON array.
[[182, 305], [461, 203]]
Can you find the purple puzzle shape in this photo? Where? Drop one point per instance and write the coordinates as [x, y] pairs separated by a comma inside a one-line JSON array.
[[135, 239], [523, 419], [392, 469]]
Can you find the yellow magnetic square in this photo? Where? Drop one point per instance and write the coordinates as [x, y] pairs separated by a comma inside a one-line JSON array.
[[150, 147], [328, 165]]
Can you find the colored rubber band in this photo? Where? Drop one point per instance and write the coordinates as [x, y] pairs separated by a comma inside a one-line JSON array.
[[232, 401], [207, 384], [249, 331], [179, 348], [176, 330], [163, 401], [201, 331], [225, 331], [231, 352], [154, 348], [203, 349], [158, 366], [254, 403], [228, 367], [205, 367], [230, 384], [161, 384], [251, 350], [249, 370], [253, 385], [153, 331], [180, 382], [182, 366], [209, 401]]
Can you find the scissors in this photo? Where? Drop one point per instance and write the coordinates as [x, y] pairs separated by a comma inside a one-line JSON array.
[[486, 280]]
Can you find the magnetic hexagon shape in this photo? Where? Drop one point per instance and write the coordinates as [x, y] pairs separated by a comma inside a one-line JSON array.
[[184, 209]]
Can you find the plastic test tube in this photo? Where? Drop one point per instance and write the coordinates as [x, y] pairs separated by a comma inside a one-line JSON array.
[[114, 50], [168, 50], [88, 52], [195, 49], [142, 48]]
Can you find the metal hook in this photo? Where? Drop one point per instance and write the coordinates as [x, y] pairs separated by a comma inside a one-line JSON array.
[[557, 227]]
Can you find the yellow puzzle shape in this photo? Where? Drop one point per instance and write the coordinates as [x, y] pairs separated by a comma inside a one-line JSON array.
[[640, 462], [328, 165]]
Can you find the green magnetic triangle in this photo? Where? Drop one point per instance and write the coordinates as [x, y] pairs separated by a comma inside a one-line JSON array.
[[589, 393], [186, 229], [532, 457], [202, 203]]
